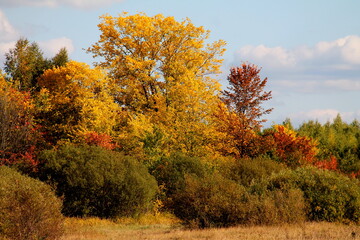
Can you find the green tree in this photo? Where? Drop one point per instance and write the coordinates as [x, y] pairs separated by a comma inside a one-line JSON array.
[[24, 64], [61, 58], [337, 139], [98, 182]]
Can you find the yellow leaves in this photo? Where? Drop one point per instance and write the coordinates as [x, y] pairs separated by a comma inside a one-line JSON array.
[[147, 56], [74, 79], [78, 98], [161, 69]]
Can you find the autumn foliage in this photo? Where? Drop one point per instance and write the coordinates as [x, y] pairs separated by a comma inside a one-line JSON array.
[[100, 139], [18, 132], [239, 118], [152, 108], [292, 149], [246, 94]]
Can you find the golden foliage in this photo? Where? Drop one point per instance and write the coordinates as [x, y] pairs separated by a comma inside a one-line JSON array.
[[161, 67], [77, 99]]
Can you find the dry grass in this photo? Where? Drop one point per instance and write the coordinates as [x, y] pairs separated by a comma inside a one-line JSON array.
[[165, 227]]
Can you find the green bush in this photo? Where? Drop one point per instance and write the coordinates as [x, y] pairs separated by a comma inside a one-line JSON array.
[[248, 171], [329, 196], [98, 182], [211, 201], [214, 201], [170, 171], [29, 208], [279, 206]]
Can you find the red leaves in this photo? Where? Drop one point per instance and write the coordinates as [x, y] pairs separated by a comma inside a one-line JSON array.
[[246, 93], [331, 164], [100, 139]]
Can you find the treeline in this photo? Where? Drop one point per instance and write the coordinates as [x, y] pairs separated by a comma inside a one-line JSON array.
[[149, 130]]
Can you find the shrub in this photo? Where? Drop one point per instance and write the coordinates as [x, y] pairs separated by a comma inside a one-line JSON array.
[[98, 182], [170, 171], [279, 206], [247, 171], [214, 201], [329, 195], [29, 208]]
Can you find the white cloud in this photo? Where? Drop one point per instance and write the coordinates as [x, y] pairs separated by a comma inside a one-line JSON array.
[[52, 46], [7, 31], [277, 57], [86, 4], [343, 84], [9, 35], [35, 3], [343, 51], [323, 116], [328, 65]]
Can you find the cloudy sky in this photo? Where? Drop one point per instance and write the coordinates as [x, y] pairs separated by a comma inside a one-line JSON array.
[[308, 49]]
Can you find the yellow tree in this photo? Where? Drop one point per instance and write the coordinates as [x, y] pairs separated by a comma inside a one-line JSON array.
[[75, 99], [161, 68]]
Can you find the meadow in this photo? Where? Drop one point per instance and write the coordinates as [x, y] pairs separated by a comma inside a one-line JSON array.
[[94, 228]]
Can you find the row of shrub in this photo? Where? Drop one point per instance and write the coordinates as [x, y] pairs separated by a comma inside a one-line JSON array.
[[92, 181], [256, 191]]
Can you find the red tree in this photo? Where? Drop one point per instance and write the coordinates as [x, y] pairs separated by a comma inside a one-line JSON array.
[[241, 120], [246, 94]]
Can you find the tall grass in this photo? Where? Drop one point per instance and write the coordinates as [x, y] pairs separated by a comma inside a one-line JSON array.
[[166, 228]]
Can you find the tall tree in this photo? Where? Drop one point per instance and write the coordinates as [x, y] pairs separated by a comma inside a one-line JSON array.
[[161, 68], [61, 58], [239, 118], [151, 56], [24, 64], [246, 93]]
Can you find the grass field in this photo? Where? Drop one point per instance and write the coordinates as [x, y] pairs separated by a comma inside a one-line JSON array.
[[96, 229]]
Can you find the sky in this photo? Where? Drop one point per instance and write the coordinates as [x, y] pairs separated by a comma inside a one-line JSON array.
[[308, 49]]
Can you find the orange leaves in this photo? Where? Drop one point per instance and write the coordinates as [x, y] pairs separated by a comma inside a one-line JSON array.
[[331, 164], [292, 149], [18, 132], [100, 139], [238, 138], [238, 116]]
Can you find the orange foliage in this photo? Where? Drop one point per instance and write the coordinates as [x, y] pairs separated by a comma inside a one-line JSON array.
[[236, 136], [331, 164], [18, 131], [292, 149], [100, 139]]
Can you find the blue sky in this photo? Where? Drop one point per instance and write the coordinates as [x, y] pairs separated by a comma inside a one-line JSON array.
[[308, 49]]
